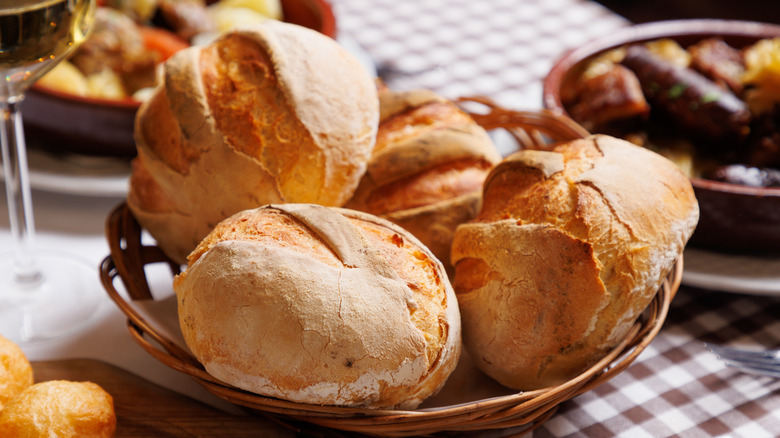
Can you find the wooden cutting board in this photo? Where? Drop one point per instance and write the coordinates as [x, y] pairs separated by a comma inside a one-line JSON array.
[[144, 409]]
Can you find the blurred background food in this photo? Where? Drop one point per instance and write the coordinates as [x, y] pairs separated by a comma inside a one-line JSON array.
[[711, 107], [132, 37], [88, 105], [702, 92]]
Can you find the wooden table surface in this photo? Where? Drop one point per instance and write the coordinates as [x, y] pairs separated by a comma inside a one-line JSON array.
[[144, 409]]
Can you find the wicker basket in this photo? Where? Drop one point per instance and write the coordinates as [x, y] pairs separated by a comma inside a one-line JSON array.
[[523, 410]]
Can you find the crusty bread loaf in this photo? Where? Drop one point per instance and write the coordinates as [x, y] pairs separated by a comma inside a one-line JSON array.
[[320, 305], [427, 168], [16, 373], [270, 113], [568, 249], [60, 408]]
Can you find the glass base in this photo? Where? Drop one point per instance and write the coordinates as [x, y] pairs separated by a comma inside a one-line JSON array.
[[63, 300]]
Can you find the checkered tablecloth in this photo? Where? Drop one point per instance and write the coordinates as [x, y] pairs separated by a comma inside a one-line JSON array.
[[677, 387], [497, 48], [503, 49]]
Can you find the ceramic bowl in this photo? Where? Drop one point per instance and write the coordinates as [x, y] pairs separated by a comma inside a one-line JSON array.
[[62, 122], [733, 217]]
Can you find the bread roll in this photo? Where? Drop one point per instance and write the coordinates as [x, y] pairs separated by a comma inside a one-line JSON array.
[[62, 409], [270, 113], [16, 373], [427, 168], [569, 248], [320, 305]]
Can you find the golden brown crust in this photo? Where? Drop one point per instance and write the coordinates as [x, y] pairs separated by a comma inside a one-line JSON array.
[[428, 166], [320, 305], [267, 114], [436, 184], [156, 129], [273, 228], [539, 316], [435, 224], [145, 194], [408, 115], [16, 373], [569, 247], [251, 110], [420, 131], [62, 409]]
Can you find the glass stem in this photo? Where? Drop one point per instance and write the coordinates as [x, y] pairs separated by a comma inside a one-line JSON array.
[[17, 188]]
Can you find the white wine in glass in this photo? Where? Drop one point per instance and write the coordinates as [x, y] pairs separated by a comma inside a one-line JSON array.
[[43, 294]]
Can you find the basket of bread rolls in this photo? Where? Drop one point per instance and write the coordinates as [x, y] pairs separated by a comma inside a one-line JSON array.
[[352, 257]]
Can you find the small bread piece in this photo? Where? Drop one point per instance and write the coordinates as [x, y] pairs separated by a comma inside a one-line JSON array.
[[427, 169], [320, 305], [569, 248], [16, 373], [270, 113], [59, 408]]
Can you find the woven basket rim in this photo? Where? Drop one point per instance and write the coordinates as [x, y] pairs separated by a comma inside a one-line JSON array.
[[128, 258], [455, 417]]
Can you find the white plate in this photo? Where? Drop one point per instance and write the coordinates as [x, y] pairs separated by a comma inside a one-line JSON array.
[[77, 174], [731, 272]]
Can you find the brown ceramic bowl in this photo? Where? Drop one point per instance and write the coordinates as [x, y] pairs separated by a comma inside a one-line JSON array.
[[67, 123], [733, 217]]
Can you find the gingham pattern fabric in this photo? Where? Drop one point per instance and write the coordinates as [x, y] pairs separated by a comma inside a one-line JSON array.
[[503, 49], [677, 387], [497, 48]]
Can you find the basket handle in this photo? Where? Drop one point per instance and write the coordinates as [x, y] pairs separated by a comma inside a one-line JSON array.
[[527, 127], [130, 255]]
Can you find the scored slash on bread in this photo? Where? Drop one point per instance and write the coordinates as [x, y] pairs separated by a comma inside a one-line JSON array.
[[568, 249], [427, 168], [320, 305], [266, 114]]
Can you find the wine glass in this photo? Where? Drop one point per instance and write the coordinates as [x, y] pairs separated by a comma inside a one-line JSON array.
[[43, 295]]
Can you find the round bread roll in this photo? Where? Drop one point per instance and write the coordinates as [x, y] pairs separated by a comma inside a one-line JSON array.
[[568, 249], [16, 373], [266, 114], [427, 169], [320, 305], [59, 408]]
